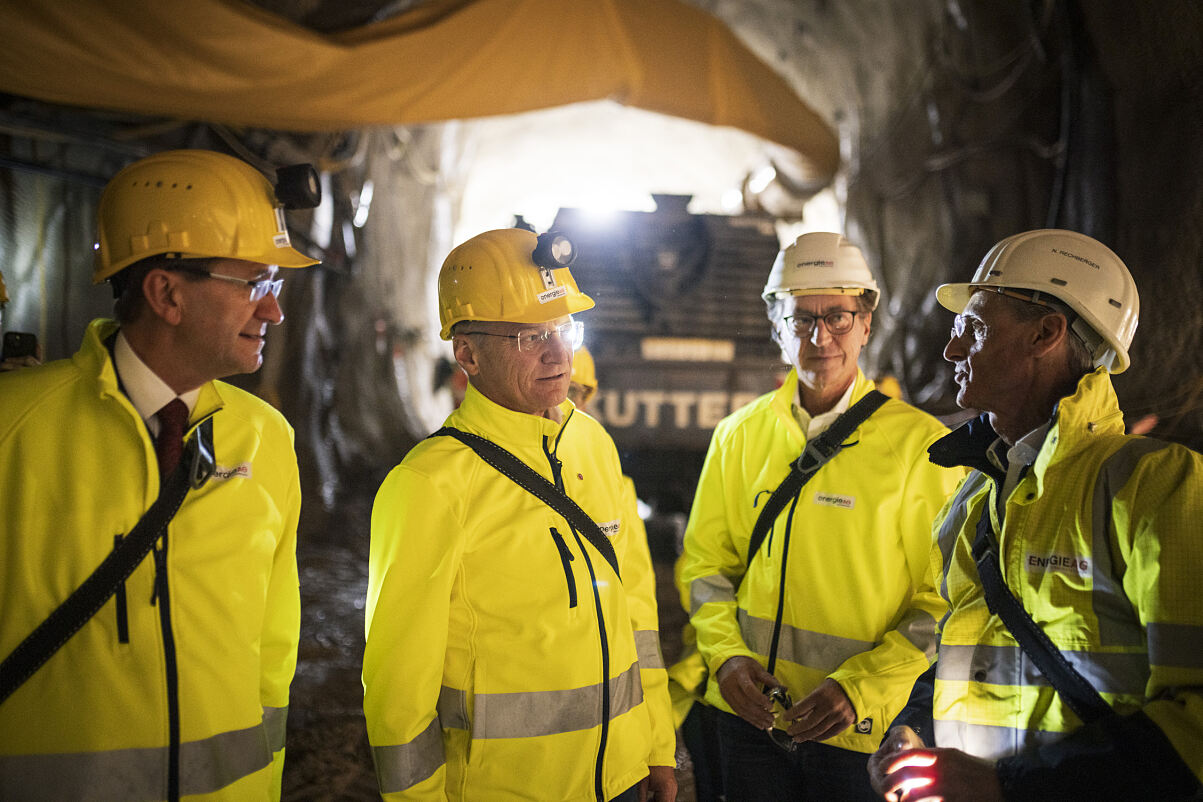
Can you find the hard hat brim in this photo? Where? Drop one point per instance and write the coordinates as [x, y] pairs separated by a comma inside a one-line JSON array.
[[953, 297]]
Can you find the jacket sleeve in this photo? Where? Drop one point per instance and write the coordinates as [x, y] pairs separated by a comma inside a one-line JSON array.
[[877, 679], [1146, 754], [281, 630], [416, 546], [639, 580], [712, 564]]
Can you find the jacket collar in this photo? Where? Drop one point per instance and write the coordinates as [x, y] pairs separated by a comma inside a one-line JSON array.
[[786, 395], [1077, 419], [94, 358], [509, 429]]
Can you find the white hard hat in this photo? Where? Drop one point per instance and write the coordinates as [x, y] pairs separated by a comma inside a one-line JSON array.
[[820, 263], [1077, 270]]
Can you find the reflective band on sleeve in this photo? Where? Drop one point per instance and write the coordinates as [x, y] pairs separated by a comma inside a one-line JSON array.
[[133, 775], [703, 590], [952, 524], [919, 628], [275, 725], [1119, 624], [404, 765], [1108, 672], [535, 713], [816, 650], [453, 709], [1176, 645], [647, 648]]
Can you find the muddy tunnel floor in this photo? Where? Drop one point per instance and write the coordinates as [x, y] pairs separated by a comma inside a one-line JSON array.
[[328, 757]]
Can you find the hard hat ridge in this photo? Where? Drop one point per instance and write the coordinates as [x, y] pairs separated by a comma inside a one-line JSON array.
[[821, 263], [193, 204], [494, 276]]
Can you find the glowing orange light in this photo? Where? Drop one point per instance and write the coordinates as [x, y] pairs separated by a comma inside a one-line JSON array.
[[913, 759]]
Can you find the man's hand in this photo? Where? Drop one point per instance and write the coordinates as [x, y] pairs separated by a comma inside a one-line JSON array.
[[739, 681], [897, 741], [824, 713], [659, 785], [940, 775], [18, 362]]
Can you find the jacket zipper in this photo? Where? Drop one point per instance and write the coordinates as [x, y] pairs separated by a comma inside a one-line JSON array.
[[598, 775], [565, 558], [163, 597]]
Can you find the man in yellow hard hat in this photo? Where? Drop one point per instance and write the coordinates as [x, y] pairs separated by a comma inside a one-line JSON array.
[[582, 384], [512, 644], [1071, 661], [806, 555], [148, 578]]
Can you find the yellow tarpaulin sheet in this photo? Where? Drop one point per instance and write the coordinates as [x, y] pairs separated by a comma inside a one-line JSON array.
[[229, 62]]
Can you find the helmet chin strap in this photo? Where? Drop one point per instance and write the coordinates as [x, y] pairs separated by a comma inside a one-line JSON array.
[[1103, 354]]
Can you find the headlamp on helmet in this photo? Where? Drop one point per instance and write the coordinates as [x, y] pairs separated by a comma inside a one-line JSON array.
[[298, 187]]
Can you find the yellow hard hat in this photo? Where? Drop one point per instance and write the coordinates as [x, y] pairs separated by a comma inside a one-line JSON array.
[[583, 372], [194, 203], [509, 275]]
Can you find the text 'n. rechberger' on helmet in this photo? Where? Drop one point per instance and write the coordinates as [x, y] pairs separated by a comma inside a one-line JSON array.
[[821, 263], [192, 204], [509, 275], [1079, 271]]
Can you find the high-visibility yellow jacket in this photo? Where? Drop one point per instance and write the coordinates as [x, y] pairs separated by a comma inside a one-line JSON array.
[[1100, 542], [859, 606], [504, 658], [211, 651]]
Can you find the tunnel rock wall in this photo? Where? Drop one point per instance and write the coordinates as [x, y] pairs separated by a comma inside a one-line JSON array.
[[964, 122]]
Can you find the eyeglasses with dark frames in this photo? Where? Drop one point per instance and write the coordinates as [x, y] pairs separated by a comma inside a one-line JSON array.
[[838, 322]]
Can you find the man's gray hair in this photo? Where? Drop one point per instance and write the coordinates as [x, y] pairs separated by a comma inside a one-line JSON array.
[[1080, 360]]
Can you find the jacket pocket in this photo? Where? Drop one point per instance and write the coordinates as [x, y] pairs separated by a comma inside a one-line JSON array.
[[566, 559]]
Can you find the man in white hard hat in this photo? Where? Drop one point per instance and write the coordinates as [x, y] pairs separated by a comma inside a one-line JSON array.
[[813, 603], [149, 610], [1070, 662], [512, 642]]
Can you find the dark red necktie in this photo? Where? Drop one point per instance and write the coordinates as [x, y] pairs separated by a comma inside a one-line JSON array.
[[173, 421]]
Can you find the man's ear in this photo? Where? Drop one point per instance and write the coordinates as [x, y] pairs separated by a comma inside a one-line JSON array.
[[1051, 332], [162, 294], [466, 354]]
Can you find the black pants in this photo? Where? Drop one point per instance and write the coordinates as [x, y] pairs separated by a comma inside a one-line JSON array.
[[757, 770], [699, 731]]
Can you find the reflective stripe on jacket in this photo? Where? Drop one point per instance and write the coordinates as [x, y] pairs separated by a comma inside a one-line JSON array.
[[78, 468], [504, 658], [1099, 540], [859, 607]]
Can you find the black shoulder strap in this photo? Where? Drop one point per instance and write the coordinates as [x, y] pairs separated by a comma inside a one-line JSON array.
[[525, 477], [48, 637], [816, 454], [1075, 689]]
